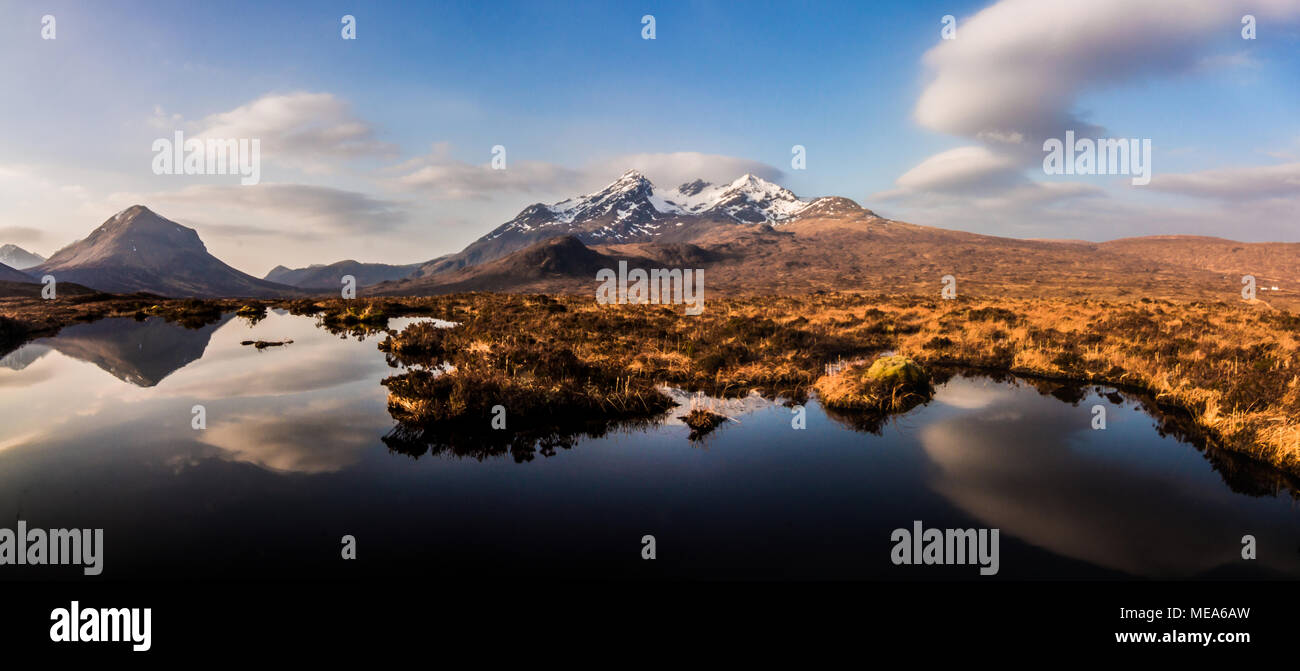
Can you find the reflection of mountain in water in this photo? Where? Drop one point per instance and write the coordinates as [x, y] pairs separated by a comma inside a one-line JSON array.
[[139, 352], [23, 356]]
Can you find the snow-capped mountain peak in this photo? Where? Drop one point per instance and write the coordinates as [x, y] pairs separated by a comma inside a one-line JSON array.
[[748, 199], [628, 192], [631, 209]]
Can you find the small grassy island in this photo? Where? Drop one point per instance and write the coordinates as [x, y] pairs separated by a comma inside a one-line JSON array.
[[892, 383]]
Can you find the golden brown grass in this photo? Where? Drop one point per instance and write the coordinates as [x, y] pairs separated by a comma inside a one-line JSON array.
[[1229, 366]]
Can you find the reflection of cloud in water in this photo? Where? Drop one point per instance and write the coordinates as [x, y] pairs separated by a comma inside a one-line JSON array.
[[313, 361], [971, 393], [32, 377], [1075, 496], [300, 371], [323, 436], [53, 393], [59, 397]]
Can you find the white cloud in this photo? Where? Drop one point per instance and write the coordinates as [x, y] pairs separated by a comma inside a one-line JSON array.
[[1242, 183], [672, 169], [977, 178], [962, 169], [439, 175], [1013, 77], [20, 234], [311, 131], [1018, 67]]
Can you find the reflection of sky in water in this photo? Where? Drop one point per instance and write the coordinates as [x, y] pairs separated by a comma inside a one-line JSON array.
[[292, 459], [309, 406], [1034, 467]]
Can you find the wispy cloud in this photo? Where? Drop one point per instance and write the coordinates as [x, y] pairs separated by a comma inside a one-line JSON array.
[[311, 131], [438, 175], [21, 234], [976, 177], [1241, 183], [1017, 69], [671, 169], [296, 208], [1014, 76], [964, 169]]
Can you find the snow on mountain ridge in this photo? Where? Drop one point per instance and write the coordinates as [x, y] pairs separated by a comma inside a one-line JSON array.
[[753, 196], [629, 185], [770, 202]]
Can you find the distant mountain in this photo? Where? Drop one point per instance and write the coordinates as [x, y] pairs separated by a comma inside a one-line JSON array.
[[561, 260], [17, 257], [630, 210], [753, 237], [555, 265], [330, 276], [8, 274], [28, 288], [1274, 262], [137, 250]]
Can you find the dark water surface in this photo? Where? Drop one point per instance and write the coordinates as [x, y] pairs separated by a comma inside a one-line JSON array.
[[95, 432]]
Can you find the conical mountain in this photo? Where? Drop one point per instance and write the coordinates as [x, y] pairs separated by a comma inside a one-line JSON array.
[[19, 258], [137, 250]]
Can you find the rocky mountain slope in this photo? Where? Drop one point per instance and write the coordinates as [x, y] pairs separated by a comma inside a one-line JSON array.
[[329, 277], [631, 209], [137, 250]]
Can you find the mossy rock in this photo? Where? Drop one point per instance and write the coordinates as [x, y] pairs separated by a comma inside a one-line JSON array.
[[897, 371], [890, 384]]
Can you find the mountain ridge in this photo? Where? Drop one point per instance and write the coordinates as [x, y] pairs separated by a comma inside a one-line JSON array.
[[751, 235], [630, 209], [833, 243], [18, 258], [329, 276], [138, 250]]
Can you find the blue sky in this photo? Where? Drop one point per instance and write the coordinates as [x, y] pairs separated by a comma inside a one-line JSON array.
[[377, 148]]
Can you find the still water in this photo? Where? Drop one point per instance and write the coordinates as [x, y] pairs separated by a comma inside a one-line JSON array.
[[96, 432]]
